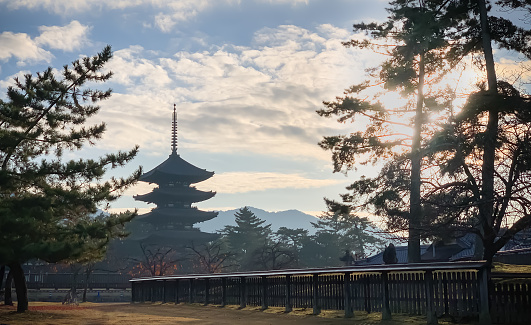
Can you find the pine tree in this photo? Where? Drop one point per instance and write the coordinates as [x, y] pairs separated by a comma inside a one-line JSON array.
[[247, 236], [458, 29], [338, 231], [47, 203], [417, 49]]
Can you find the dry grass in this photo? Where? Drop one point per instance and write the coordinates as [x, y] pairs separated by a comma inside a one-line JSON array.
[[511, 268], [154, 314]]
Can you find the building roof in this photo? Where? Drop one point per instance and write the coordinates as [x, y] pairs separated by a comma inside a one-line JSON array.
[[161, 216], [183, 194], [177, 237], [401, 255], [176, 169]]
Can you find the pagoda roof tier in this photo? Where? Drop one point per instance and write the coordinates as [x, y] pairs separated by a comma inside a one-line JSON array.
[[175, 194], [182, 215], [176, 169], [172, 237]]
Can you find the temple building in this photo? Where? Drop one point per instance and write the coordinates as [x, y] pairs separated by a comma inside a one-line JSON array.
[[171, 222]]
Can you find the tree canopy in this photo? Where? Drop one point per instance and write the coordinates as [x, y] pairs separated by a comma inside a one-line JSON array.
[[48, 204], [473, 162]]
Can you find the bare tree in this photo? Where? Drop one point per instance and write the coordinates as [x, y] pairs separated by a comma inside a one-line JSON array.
[[273, 256], [211, 257], [157, 260]]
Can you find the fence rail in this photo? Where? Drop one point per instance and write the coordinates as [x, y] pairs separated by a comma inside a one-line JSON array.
[[457, 289], [66, 280]]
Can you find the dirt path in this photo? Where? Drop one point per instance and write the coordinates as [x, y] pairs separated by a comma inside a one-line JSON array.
[[162, 314]]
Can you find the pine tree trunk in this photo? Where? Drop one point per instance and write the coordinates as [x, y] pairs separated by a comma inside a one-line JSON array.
[[88, 271], [415, 208], [2, 273], [20, 286], [8, 299], [486, 207]]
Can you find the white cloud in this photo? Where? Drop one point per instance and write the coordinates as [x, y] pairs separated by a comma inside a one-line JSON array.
[[292, 2], [243, 182], [55, 6], [166, 22], [260, 99], [67, 38], [170, 12], [22, 47], [130, 69]]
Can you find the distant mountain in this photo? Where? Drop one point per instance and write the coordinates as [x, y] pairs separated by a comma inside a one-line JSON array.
[[290, 219]]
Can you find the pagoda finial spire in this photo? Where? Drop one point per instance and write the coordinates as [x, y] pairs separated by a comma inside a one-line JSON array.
[[174, 131]]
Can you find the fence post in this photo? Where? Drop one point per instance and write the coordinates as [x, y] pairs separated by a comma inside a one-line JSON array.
[[347, 296], [265, 304], [243, 292], [163, 291], [143, 295], [207, 291], [176, 288], [288, 294], [484, 312], [386, 311], [223, 292], [191, 291], [133, 291], [316, 305], [431, 317]]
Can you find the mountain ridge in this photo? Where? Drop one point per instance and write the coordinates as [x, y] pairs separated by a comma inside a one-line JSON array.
[[288, 218]]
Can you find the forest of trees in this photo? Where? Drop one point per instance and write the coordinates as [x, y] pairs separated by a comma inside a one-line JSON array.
[[252, 245]]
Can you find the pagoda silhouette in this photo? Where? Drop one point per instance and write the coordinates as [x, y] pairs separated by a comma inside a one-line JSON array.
[[171, 223]]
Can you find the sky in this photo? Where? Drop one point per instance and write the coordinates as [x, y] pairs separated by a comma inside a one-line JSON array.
[[246, 77]]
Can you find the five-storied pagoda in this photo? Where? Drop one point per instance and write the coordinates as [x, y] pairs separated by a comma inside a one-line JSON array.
[[171, 222]]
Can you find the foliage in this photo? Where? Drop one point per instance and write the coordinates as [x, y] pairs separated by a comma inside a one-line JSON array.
[[449, 198], [459, 150], [340, 231], [248, 235], [47, 203], [274, 255], [287, 248], [417, 51]]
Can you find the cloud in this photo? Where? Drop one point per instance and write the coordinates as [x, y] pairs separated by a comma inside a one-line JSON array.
[[129, 69], [292, 2], [168, 12], [27, 50], [55, 6], [243, 182], [258, 99], [22, 47], [67, 38]]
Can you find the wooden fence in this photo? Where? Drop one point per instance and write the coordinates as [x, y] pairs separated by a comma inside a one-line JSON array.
[[66, 280], [458, 289], [510, 298]]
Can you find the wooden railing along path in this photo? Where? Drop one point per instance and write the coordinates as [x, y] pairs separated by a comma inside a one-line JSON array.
[[455, 289], [65, 280]]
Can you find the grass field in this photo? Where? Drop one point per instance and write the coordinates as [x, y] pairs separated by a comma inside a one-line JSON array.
[[46, 313]]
